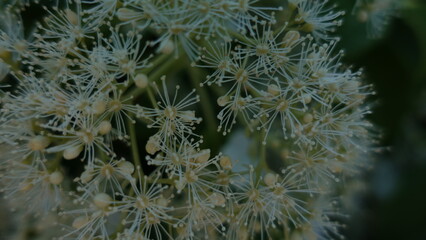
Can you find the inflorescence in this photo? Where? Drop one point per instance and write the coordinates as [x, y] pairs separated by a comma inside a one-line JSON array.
[[92, 78]]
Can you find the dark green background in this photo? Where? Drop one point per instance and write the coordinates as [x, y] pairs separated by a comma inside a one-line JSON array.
[[394, 204]]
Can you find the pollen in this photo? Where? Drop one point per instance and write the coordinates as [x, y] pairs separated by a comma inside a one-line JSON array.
[[282, 105], [170, 112], [242, 76], [86, 136], [253, 195], [107, 170], [224, 64], [152, 219], [191, 176], [142, 202], [262, 49], [115, 105]]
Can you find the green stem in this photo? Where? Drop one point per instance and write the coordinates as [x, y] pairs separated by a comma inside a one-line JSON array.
[[262, 156], [286, 231], [165, 181], [170, 229], [152, 98], [210, 116], [158, 71], [220, 91], [157, 61], [102, 155], [134, 146], [54, 164]]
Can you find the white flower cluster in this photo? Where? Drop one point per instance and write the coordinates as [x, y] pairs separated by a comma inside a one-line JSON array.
[[91, 73]]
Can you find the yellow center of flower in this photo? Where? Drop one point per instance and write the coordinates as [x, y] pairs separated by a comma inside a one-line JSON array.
[[86, 136], [107, 171], [282, 105], [115, 105], [170, 112], [142, 202], [262, 49], [241, 76]]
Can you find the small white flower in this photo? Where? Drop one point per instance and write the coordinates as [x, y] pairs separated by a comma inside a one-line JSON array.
[[147, 211], [252, 206], [170, 116], [127, 53], [103, 176], [13, 44], [234, 106], [84, 138], [283, 108], [32, 186], [67, 24], [317, 18], [92, 220], [102, 9]]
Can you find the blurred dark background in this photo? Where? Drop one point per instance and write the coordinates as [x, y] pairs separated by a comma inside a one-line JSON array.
[[393, 200]]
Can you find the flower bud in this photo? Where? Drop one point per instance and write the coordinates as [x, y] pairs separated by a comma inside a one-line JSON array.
[[217, 199], [126, 14], [188, 116], [102, 200], [273, 89], [104, 127], [86, 176], [290, 38], [161, 201], [270, 179], [99, 107], [351, 86], [71, 16], [79, 222], [204, 156], [166, 47], [307, 98], [307, 118], [153, 145], [56, 178], [126, 167], [141, 80], [221, 101], [38, 143], [225, 162], [72, 152]]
